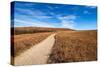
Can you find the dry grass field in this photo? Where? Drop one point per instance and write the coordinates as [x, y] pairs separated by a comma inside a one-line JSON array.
[[24, 41], [74, 46], [26, 30], [24, 37], [70, 45]]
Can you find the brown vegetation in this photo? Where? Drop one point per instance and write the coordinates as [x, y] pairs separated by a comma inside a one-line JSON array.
[[25, 37], [74, 46], [70, 45], [24, 41], [26, 30]]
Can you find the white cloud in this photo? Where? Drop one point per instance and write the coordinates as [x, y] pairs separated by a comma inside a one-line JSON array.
[[30, 12], [46, 17], [34, 14], [68, 24], [69, 17], [51, 13], [56, 7], [18, 22], [68, 21], [50, 7], [30, 23], [86, 12]]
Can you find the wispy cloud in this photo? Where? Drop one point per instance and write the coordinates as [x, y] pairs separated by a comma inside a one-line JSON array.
[[31, 12], [86, 12], [68, 21], [69, 17], [68, 24], [59, 16], [34, 24]]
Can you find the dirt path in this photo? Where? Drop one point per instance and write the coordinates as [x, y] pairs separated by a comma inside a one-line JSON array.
[[37, 54]]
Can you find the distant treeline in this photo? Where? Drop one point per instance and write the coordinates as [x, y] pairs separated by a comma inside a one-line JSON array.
[[26, 30]]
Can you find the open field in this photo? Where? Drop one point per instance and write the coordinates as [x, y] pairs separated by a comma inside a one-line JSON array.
[[27, 30], [25, 37], [37, 54], [68, 45], [74, 46], [24, 41]]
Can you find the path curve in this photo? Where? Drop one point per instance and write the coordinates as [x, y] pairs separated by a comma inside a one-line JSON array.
[[37, 54]]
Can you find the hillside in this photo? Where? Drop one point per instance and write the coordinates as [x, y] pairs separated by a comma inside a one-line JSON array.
[[26, 30]]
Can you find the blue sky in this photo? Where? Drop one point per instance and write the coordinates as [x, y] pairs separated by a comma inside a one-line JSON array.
[[78, 17]]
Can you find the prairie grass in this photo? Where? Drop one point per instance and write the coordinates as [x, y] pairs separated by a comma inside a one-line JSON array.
[[24, 41], [23, 38], [74, 46], [27, 30]]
